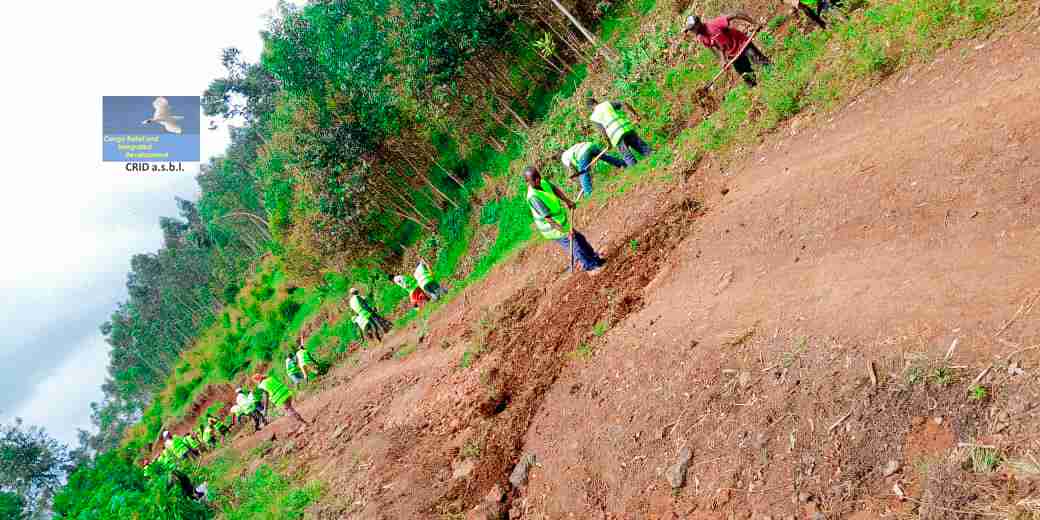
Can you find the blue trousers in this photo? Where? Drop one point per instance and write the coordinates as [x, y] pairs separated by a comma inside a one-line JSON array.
[[583, 252], [585, 173], [629, 141]]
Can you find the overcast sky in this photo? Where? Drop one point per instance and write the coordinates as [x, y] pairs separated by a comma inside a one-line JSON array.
[[70, 223]]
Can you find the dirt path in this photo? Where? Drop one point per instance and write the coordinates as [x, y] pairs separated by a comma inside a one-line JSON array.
[[741, 326]]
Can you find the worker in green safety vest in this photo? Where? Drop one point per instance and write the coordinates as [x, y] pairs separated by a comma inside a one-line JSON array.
[[178, 446], [277, 394], [194, 446], [370, 323], [547, 207], [306, 363], [209, 432], [247, 404], [577, 160], [620, 133], [292, 369], [424, 277]]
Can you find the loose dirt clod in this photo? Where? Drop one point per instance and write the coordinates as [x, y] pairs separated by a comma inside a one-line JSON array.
[[519, 475]]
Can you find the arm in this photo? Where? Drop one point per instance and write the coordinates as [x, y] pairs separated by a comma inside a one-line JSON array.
[[563, 196], [632, 110]]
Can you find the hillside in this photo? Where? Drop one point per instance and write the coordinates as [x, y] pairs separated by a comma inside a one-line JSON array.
[[803, 283]]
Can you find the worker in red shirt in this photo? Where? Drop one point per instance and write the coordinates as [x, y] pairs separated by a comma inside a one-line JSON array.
[[717, 35]]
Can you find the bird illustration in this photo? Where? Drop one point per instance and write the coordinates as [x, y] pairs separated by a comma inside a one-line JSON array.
[[163, 116]]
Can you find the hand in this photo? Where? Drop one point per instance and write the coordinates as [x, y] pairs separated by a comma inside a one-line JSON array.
[[571, 205]]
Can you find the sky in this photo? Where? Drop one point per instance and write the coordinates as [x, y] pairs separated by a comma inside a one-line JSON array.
[[70, 223]]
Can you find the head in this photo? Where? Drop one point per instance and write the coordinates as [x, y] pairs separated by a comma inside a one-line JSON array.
[[399, 280], [694, 25], [166, 434], [239, 390], [290, 355], [591, 102], [354, 291], [533, 176]]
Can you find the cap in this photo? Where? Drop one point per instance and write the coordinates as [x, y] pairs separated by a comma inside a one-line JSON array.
[[691, 22]]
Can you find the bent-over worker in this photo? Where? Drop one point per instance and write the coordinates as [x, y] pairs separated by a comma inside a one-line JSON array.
[[547, 207], [717, 35]]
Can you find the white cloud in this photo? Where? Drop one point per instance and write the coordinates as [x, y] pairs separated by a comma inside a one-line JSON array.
[[70, 222], [62, 400]]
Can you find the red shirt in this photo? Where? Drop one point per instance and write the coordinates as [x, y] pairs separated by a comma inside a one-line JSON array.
[[722, 37]]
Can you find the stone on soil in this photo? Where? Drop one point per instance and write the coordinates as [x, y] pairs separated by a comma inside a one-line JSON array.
[[676, 474], [890, 468]]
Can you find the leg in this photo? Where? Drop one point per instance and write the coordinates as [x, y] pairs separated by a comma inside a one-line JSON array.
[[634, 141], [292, 411], [585, 179], [757, 56], [590, 261], [743, 66]]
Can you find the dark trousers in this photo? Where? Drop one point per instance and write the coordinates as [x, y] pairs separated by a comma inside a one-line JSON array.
[[583, 252], [629, 141], [743, 64], [585, 173]]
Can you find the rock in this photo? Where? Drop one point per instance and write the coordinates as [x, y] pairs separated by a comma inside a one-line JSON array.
[[519, 475], [462, 468], [817, 516], [804, 497], [890, 468], [676, 474]]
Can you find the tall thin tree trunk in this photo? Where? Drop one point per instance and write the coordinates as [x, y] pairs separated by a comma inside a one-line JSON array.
[[607, 51]]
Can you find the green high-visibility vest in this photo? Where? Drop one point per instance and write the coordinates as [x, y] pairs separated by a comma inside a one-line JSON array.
[[408, 283], [303, 356], [277, 391], [292, 368], [575, 154], [362, 322], [423, 275], [555, 206], [191, 442], [177, 446], [616, 124], [245, 403], [207, 435], [358, 308]]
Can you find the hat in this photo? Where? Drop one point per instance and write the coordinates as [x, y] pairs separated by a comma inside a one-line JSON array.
[[166, 434], [691, 22], [399, 280], [353, 290], [239, 390]]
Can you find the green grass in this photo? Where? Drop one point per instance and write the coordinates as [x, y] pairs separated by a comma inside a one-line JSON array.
[[978, 392], [600, 328]]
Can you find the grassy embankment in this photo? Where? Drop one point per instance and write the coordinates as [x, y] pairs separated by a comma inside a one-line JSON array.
[[814, 72]]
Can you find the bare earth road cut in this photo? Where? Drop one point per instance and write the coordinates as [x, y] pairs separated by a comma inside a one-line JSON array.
[[902, 233]]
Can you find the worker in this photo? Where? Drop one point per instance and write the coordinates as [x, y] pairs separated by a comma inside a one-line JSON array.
[[277, 394], [617, 129], [209, 433], [727, 42], [416, 295], [577, 161], [194, 446], [306, 362], [424, 277], [178, 448], [292, 369], [546, 202], [367, 319], [248, 404], [810, 8]]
